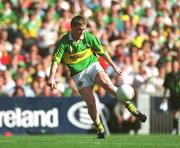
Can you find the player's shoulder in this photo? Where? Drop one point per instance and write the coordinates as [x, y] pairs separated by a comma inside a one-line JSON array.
[[63, 40], [88, 34]]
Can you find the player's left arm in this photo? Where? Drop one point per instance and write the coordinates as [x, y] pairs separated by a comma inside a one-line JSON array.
[[99, 50], [108, 59]]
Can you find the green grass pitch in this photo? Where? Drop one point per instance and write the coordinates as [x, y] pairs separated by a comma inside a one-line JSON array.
[[90, 141]]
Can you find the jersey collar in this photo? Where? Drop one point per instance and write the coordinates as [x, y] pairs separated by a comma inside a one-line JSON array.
[[71, 38]]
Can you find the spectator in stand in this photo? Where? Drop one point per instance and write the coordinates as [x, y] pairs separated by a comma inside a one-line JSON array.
[[141, 77], [135, 59], [2, 84], [9, 83], [5, 48], [149, 14], [158, 81], [47, 36], [7, 15], [20, 82], [4, 40], [19, 92], [33, 56], [141, 35]]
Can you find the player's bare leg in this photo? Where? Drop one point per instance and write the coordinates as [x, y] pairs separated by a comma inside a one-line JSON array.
[[87, 94], [103, 80]]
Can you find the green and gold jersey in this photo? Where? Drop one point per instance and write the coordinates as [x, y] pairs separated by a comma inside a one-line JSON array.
[[78, 55]]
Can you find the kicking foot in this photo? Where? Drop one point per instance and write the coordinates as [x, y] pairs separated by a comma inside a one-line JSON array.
[[133, 110], [142, 117]]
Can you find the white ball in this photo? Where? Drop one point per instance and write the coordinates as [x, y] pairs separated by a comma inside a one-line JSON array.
[[125, 92]]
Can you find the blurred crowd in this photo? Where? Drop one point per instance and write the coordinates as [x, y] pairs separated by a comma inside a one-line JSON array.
[[141, 36]]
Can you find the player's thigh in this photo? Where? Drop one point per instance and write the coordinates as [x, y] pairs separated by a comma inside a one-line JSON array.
[[103, 80]]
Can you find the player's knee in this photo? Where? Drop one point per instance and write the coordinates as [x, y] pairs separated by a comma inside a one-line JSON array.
[[106, 85]]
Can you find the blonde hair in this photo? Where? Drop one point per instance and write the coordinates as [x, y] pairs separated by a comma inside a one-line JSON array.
[[78, 20]]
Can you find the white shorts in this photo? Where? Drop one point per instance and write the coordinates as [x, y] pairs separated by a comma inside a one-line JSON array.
[[87, 76]]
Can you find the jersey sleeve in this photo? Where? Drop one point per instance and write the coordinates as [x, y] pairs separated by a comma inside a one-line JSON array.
[[58, 54], [96, 44]]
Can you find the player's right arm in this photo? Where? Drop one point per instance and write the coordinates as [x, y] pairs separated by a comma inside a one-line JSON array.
[[57, 56], [99, 50], [51, 82]]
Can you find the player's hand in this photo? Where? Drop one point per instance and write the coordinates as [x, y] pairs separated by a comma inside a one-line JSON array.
[[117, 70], [51, 84]]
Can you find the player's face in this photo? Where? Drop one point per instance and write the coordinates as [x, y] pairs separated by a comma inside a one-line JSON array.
[[77, 31]]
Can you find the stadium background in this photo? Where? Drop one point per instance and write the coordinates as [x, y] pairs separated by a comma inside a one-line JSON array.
[[142, 37]]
